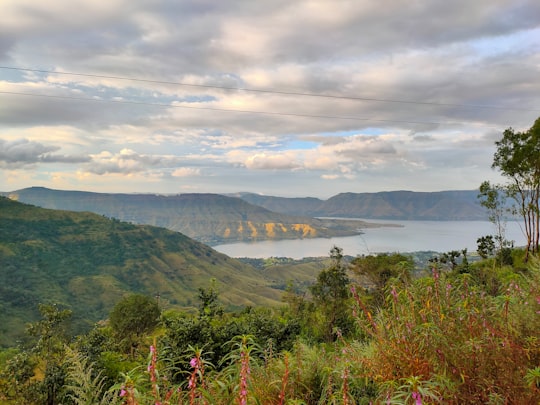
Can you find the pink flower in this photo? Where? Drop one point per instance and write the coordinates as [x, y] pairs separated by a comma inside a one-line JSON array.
[[152, 349], [123, 392], [417, 397], [194, 362]]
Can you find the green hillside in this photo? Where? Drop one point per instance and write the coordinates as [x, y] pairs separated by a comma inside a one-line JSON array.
[[87, 262]]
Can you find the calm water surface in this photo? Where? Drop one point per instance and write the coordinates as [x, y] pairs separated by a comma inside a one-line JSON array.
[[438, 236]]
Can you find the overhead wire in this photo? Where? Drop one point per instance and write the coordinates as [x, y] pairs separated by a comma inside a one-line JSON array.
[[163, 105], [279, 92]]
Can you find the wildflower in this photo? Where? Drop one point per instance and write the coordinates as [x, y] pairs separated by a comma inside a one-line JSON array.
[[123, 392], [194, 362], [435, 273], [417, 397]]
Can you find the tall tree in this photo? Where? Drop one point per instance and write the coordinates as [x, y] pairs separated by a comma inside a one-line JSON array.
[[493, 198], [518, 158], [331, 293], [132, 317]]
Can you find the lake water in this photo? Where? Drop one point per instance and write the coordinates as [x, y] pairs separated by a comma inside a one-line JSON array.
[[438, 236]]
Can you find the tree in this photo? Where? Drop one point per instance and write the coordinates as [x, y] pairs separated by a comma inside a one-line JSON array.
[[331, 294], [37, 375], [132, 317], [486, 246], [492, 198], [378, 270], [209, 302], [518, 158]]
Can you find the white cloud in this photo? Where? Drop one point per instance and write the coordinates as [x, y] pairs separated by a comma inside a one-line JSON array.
[[186, 172], [267, 161]]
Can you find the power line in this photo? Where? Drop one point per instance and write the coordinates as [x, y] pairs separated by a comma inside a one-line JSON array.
[[163, 105], [288, 93]]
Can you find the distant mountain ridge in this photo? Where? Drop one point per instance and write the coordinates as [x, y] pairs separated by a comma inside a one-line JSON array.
[[392, 205], [208, 218]]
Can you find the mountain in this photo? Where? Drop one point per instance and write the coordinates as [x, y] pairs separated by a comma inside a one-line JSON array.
[[306, 206], [87, 262], [208, 218], [393, 205]]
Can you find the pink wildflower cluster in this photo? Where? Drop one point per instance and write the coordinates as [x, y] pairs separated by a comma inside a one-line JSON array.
[[192, 383], [128, 394], [244, 375], [417, 398]]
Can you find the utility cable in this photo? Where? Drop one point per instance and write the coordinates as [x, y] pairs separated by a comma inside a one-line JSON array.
[[279, 92], [220, 109]]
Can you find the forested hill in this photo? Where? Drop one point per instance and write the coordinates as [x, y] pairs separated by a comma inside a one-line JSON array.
[[394, 205], [88, 262], [208, 218]]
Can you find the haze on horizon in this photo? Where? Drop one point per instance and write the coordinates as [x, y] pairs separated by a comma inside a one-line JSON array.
[[303, 98]]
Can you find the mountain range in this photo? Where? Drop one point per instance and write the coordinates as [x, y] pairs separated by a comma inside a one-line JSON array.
[[455, 205], [215, 219], [208, 218]]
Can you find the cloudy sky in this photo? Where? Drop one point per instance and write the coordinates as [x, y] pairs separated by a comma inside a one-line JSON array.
[[287, 98]]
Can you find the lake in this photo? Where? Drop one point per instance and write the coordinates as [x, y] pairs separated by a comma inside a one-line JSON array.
[[438, 236]]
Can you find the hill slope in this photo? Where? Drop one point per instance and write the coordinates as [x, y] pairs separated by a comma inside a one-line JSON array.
[[88, 262], [208, 218], [394, 205]]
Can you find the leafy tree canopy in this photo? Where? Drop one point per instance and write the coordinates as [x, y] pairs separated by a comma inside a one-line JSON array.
[[518, 159]]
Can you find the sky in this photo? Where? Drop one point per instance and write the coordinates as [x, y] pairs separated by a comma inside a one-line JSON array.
[[286, 98]]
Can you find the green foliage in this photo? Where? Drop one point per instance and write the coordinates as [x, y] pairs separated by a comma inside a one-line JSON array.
[[376, 271], [467, 333], [133, 317], [89, 262], [331, 295], [37, 375], [518, 158], [83, 384], [451, 337], [486, 246], [209, 301], [493, 198], [447, 327], [212, 334]]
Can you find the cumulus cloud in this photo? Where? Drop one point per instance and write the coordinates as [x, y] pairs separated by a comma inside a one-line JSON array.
[[267, 161], [126, 161], [23, 152]]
